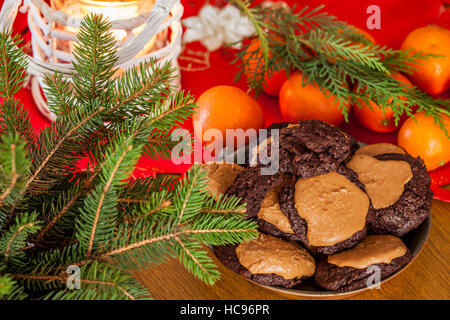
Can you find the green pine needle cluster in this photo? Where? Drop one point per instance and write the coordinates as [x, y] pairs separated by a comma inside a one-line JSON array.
[[56, 217], [329, 52]]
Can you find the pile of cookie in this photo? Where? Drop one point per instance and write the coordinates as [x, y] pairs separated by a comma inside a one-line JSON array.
[[332, 212]]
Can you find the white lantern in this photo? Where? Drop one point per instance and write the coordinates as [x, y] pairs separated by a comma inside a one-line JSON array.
[[143, 29]]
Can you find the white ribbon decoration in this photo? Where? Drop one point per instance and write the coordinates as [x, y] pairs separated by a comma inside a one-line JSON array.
[[214, 27]]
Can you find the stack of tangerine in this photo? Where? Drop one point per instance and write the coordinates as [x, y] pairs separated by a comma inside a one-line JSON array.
[[228, 107]]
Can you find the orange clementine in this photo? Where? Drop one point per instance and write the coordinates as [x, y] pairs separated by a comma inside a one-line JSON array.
[[298, 102], [226, 107], [372, 117], [273, 83], [424, 138], [433, 74]]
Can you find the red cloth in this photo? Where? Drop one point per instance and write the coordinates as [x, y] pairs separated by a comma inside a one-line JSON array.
[[398, 18]]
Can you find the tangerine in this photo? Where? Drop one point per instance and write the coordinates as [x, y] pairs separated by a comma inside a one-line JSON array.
[[432, 75], [372, 116], [424, 138], [226, 107], [298, 102]]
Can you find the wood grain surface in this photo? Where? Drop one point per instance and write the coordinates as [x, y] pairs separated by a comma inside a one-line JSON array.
[[426, 278]]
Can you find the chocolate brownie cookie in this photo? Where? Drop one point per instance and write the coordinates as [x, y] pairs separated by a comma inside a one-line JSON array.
[[268, 260], [399, 188], [354, 268], [271, 219], [261, 195], [251, 186], [313, 148], [328, 212], [220, 176]]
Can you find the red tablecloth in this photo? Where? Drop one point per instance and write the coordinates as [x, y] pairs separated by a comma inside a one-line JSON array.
[[398, 18]]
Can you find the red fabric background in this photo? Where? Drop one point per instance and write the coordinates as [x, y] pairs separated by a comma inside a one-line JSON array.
[[398, 18]]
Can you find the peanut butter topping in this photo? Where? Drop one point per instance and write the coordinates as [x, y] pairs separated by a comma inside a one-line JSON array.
[[371, 250], [333, 207], [268, 254], [384, 180], [220, 176], [379, 148], [271, 212]]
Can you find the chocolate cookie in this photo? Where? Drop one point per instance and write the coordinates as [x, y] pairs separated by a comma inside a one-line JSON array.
[[268, 260], [399, 188], [220, 176], [313, 148], [355, 268], [261, 195], [328, 212], [251, 186], [271, 219]]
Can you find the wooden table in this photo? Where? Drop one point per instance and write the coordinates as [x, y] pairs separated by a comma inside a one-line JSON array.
[[427, 278]]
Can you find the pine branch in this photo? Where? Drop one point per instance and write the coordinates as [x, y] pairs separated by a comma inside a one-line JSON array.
[[146, 185], [59, 152], [62, 212], [14, 174], [139, 249], [137, 89], [189, 197], [14, 119], [225, 204], [177, 108], [143, 197], [15, 238], [9, 289], [154, 203], [13, 166], [160, 144], [258, 23], [197, 261], [214, 229], [98, 281], [13, 65], [59, 94], [142, 244], [56, 260], [404, 61], [151, 212], [342, 48], [96, 223], [95, 56]]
